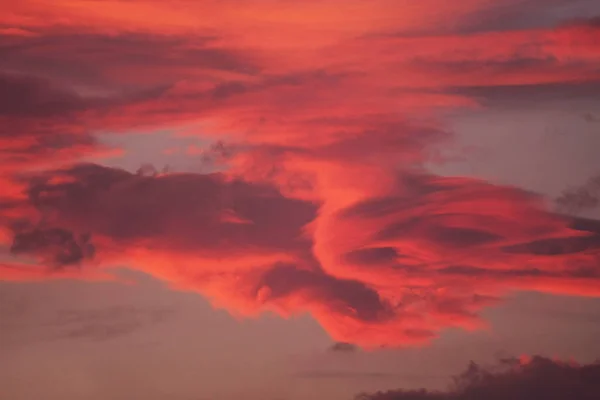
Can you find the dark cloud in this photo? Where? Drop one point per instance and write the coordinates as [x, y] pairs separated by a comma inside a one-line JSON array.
[[533, 95], [104, 59], [30, 96], [46, 122], [580, 198], [56, 246], [340, 296], [516, 75], [586, 225], [342, 347], [538, 378], [511, 15], [185, 211], [449, 236], [376, 255], [517, 63], [39, 121], [585, 21], [556, 246]]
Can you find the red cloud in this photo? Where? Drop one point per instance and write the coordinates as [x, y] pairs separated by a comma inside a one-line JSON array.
[[322, 205], [442, 246], [390, 270]]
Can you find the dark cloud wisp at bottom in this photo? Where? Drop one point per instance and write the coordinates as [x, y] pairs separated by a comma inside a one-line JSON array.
[[514, 379]]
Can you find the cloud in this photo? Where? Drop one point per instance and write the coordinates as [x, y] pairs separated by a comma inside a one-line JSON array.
[[112, 62], [39, 118], [513, 95], [324, 117], [521, 14], [391, 270], [182, 210], [524, 379], [436, 223], [46, 122], [576, 199], [341, 347], [61, 245], [31, 96]]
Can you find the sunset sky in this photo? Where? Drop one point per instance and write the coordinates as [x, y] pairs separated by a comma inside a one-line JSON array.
[[288, 200]]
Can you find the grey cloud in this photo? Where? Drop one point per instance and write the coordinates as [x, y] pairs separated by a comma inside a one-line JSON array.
[[343, 347], [541, 378], [86, 57], [58, 247], [525, 14], [580, 198], [23, 95], [373, 255], [510, 15], [186, 212], [346, 297], [514, 95]]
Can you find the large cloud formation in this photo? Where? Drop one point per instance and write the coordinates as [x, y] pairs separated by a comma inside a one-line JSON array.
[[324, 117], [518, 379]]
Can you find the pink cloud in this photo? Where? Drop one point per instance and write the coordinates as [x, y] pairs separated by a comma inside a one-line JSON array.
[[324, 117]]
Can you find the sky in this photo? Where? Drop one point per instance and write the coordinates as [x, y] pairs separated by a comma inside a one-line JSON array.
[[275, 199]]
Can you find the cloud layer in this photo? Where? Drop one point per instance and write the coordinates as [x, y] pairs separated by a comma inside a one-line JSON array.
[[323, 118]]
